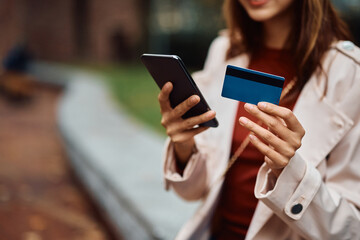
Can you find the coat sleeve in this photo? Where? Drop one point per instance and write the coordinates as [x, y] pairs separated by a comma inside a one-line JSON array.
[[313, 208], [320, 206], [193, 184]]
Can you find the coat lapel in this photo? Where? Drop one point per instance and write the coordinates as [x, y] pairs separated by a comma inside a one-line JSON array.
[[325, 126], [261, 215]]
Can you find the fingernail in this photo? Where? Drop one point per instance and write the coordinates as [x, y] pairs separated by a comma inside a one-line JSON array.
[[210, 113], [248, 106], [252, 137], [167, 85], [194, 99], [243, 121], [262, 105]]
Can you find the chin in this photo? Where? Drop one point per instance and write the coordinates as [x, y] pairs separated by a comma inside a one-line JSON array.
[[260, 15], [263, 10]]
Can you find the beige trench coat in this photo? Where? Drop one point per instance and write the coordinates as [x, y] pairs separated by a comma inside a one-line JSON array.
[[323, 178]]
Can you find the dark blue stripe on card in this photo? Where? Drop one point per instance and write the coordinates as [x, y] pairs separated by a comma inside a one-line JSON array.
[[255, 76]]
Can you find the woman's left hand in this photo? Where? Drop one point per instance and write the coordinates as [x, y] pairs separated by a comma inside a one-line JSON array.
[[282, 138]]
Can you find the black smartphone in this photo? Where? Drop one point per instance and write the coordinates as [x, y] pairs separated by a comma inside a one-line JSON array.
[[170, 68]]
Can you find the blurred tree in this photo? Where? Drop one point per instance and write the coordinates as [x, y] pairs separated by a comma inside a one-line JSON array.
[[350, 11], [144, 9], [81, 24], [184, 27]]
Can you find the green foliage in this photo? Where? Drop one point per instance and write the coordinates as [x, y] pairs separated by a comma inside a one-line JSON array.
[[134, 88]]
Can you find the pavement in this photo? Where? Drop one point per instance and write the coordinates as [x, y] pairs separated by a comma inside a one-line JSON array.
[[40, 198], [117, 158]]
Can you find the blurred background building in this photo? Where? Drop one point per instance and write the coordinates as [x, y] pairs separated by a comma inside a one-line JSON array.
[[69, 30]]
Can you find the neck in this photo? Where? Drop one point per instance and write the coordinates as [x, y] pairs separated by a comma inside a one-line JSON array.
[[277, 30]]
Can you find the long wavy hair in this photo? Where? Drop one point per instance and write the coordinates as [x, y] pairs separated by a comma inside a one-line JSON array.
[[316, 26]]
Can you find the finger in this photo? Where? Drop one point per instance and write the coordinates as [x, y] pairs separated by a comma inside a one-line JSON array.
[[265, 134], [185, 106], [186, 135], [278, 127], [284, 113], [275, 125], [279, 145], [189, 123], [193, 121], [291, 145], [274, 168], [163, 97], [277, 160]]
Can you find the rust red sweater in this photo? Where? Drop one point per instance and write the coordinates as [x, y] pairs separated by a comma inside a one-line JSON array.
[[237, 201]]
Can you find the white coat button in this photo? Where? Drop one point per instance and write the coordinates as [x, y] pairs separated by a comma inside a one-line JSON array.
[[338, 121], [347, 45]]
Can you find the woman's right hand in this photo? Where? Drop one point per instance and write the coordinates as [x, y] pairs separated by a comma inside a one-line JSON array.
[[181, 131]]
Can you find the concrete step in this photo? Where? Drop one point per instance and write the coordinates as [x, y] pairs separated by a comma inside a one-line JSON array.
[[117, 158]]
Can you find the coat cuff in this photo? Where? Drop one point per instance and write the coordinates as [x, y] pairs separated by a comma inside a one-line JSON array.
[[193, 177], [292, 192]]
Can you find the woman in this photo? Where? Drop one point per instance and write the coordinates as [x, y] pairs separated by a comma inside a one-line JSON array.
[[301, 158]]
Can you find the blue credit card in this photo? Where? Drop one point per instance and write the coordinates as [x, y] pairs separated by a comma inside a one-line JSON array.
[[251, 86]]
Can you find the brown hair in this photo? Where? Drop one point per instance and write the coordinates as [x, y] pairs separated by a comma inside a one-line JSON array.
[[316, 26]]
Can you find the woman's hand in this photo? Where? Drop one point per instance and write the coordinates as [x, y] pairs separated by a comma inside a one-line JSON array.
[[282, 138], [181, 131]]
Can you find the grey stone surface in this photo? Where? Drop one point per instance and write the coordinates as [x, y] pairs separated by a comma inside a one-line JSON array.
[[117, 158]]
